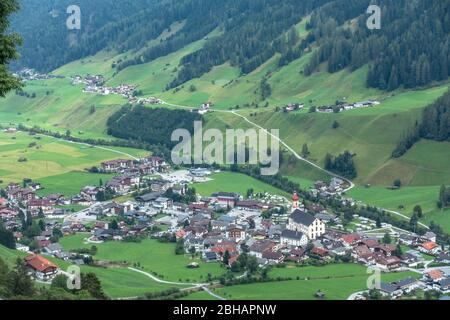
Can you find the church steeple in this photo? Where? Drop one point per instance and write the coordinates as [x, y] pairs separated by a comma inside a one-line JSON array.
[[295, 199]]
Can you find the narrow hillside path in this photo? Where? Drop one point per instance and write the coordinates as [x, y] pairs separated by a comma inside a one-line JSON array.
[[94, 146], [203, 286], [207, 290], [165, 281]]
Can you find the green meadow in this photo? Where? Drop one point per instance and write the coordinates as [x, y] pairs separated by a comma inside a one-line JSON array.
[[58, 165], [151, 255], [234, 182], [337, 282], [404, 200], [116, 282]]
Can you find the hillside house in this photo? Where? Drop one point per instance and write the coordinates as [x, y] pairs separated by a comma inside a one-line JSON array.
[[429, 247], [40, 267]]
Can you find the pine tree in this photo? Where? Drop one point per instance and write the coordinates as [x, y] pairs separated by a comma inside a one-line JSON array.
[[8, 43], [19, 282], [443, 196], [305, 151], [226, 257]]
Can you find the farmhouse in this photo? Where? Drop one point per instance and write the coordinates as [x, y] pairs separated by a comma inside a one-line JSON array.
[[40, 267], [257, 248], [429, 247]]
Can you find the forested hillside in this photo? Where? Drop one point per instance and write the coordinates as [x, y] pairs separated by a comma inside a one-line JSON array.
[[410, 50], [48, 43], [154, 126]]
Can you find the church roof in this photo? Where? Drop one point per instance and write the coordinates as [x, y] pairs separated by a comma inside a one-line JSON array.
[[302, 217]]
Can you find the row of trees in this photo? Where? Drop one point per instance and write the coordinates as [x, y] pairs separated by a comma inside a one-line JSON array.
[[343, 164], [444, 197]]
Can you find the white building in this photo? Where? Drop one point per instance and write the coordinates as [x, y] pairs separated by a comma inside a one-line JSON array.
[[304, 222], [293, 238]]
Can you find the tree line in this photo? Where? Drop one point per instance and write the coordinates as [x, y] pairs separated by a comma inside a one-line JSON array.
[[152, 126], [434, 125], [342, 164]]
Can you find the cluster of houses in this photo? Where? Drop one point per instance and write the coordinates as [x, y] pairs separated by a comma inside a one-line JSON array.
[[96, 84], [436, 279], [347, 106], [225, 224], [144, 166], [326, 189], [292, 107], [129, 177], [149, 100], [28, 74]]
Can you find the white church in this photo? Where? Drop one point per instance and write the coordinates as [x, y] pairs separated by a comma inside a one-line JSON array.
[[301, 227]]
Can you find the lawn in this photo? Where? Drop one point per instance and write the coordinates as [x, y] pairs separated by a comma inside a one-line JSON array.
[[336, 281], [234, 182], [153, 256], [70, 183]]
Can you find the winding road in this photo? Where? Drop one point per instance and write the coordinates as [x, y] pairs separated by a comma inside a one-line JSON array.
[[297, 156]]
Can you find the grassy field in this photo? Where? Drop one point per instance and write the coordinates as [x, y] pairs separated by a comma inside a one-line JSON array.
[[234, 182], [63, 183], [408, 197], [116, 282], [371, 134], [153, 256], [120, 282], [336, 281], [10, 256], [58, 165]]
